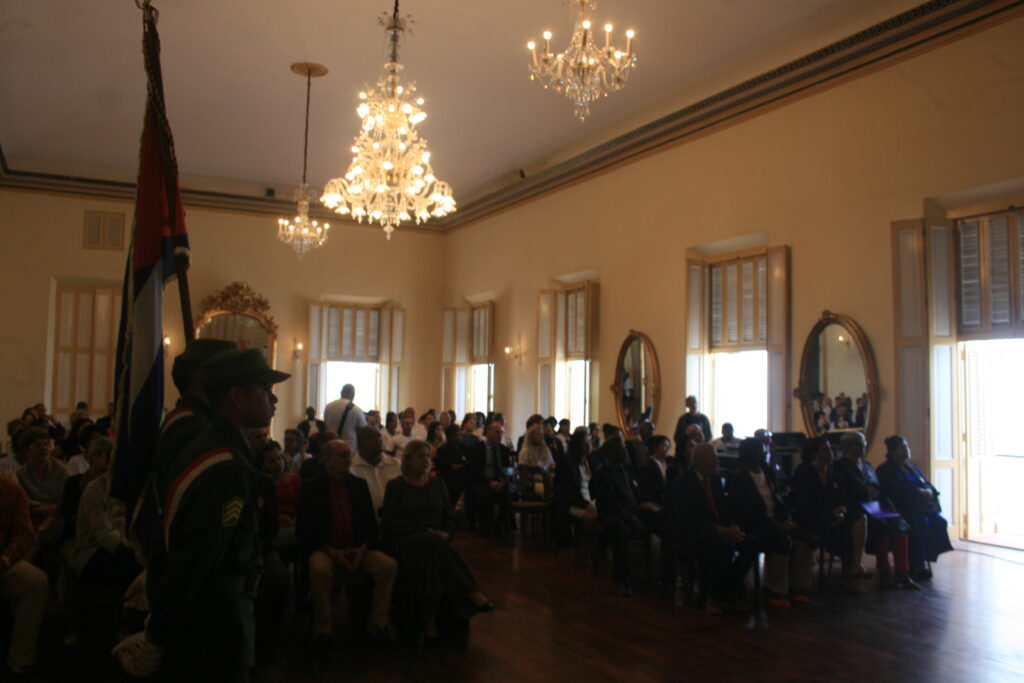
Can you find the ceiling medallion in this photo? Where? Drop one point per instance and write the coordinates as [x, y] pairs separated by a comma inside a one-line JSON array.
[[390, 180], [301, 233], [585, 72]]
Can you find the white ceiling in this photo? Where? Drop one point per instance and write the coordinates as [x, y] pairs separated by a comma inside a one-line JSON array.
[[73, 88]]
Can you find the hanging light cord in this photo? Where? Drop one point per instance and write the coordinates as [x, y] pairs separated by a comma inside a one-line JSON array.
[[305, 144]]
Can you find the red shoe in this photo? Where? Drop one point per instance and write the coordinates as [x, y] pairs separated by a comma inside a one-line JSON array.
[[779, 601], [798, 599]]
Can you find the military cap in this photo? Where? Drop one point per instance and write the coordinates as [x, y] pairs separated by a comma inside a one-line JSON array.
[[235, 367], [196, 351]]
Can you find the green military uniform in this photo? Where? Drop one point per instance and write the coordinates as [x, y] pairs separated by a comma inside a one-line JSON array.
[[201, 611], [180, 427]]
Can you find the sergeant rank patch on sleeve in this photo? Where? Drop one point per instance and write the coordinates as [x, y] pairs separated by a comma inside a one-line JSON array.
[[231, 511]]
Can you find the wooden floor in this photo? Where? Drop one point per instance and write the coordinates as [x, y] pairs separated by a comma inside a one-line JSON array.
[[556, 622]]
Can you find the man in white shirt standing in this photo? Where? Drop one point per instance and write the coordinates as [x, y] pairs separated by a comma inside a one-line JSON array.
[[371, 464], [344, 416]]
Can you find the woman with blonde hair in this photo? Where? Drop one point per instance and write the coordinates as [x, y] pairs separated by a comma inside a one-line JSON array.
[[435, 588]]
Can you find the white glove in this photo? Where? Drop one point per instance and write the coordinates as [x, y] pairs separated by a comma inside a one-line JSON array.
[[138, 656]]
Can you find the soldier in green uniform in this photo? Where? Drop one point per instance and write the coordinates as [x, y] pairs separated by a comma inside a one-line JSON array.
[[202, 610], [181, 426]]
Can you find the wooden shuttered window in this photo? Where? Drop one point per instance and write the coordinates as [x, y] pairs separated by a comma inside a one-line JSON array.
[[467, 339], [360, 334], [567, 329], [738, 304], [85, 346], [990, 262], [741, 302]]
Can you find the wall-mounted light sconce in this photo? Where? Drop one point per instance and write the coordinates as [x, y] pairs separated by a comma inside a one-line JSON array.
[[513, 354], [167, 344], [296, 348]]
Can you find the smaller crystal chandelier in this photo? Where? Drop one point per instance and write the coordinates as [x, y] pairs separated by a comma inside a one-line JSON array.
[[390, 180], [585, 72], [300, 232]]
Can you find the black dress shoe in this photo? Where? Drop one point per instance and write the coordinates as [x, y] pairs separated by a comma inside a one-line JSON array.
[[382, 636], [486, 607]]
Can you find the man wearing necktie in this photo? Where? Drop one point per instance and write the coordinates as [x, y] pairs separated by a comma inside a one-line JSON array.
[[488, 486], [701, 525], [616, 495]]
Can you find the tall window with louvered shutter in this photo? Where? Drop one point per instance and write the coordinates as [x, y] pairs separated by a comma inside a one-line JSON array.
[[467, 359], [85, 346], [567, 340], [359, 345], [990, 262], [737, 342]]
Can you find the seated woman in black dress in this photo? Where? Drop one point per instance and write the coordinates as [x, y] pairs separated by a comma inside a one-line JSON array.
[[859, 484], [434, 585], [917, 501], [572, 510]]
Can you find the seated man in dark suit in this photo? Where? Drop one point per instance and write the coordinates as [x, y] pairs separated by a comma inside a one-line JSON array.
[[762, 513], [488, 483], [336, 525], [617, 498], [701, 525]]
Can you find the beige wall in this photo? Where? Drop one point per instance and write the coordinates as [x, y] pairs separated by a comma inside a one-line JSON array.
[[825, 175], [356, 262]]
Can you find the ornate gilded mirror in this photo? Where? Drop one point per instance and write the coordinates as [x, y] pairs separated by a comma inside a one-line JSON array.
[[838, 379], [239, 314], [637, 387]]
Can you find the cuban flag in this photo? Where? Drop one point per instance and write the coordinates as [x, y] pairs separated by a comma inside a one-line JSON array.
[[158, 237]]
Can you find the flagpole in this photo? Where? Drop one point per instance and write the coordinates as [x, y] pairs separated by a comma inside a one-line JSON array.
[[156, 86]]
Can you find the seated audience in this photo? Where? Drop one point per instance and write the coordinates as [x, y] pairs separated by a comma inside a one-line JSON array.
[[435, 436], [337, 526], [99, 454], [617, 498], [917, 501], [373, 466], [389, 431], [761, 513], [815, 499], [295, 450], [404, 435], [313, 466], [22, 585], [102, 559], [534, 453], [435, 588], [287, 486], [573, 512], [451, 464], [727, 445], [595, 436], [702, 524], [43, 479], [859, 484], [550, 428], [488, 480], [564, 433]]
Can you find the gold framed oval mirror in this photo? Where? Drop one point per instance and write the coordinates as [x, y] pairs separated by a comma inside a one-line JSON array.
[[838, 389], [637, 387], [239, 314]]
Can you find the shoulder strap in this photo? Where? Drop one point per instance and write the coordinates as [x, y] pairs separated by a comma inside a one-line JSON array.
[[344, 416]]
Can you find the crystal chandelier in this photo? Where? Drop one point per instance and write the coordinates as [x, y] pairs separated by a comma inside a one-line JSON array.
[[301, 233], [390, 180], [585, 72]]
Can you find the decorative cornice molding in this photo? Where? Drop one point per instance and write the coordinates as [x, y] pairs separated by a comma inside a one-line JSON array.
[[924, 27]]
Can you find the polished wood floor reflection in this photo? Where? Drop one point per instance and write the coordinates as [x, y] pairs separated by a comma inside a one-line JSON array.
[[555, 622]]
